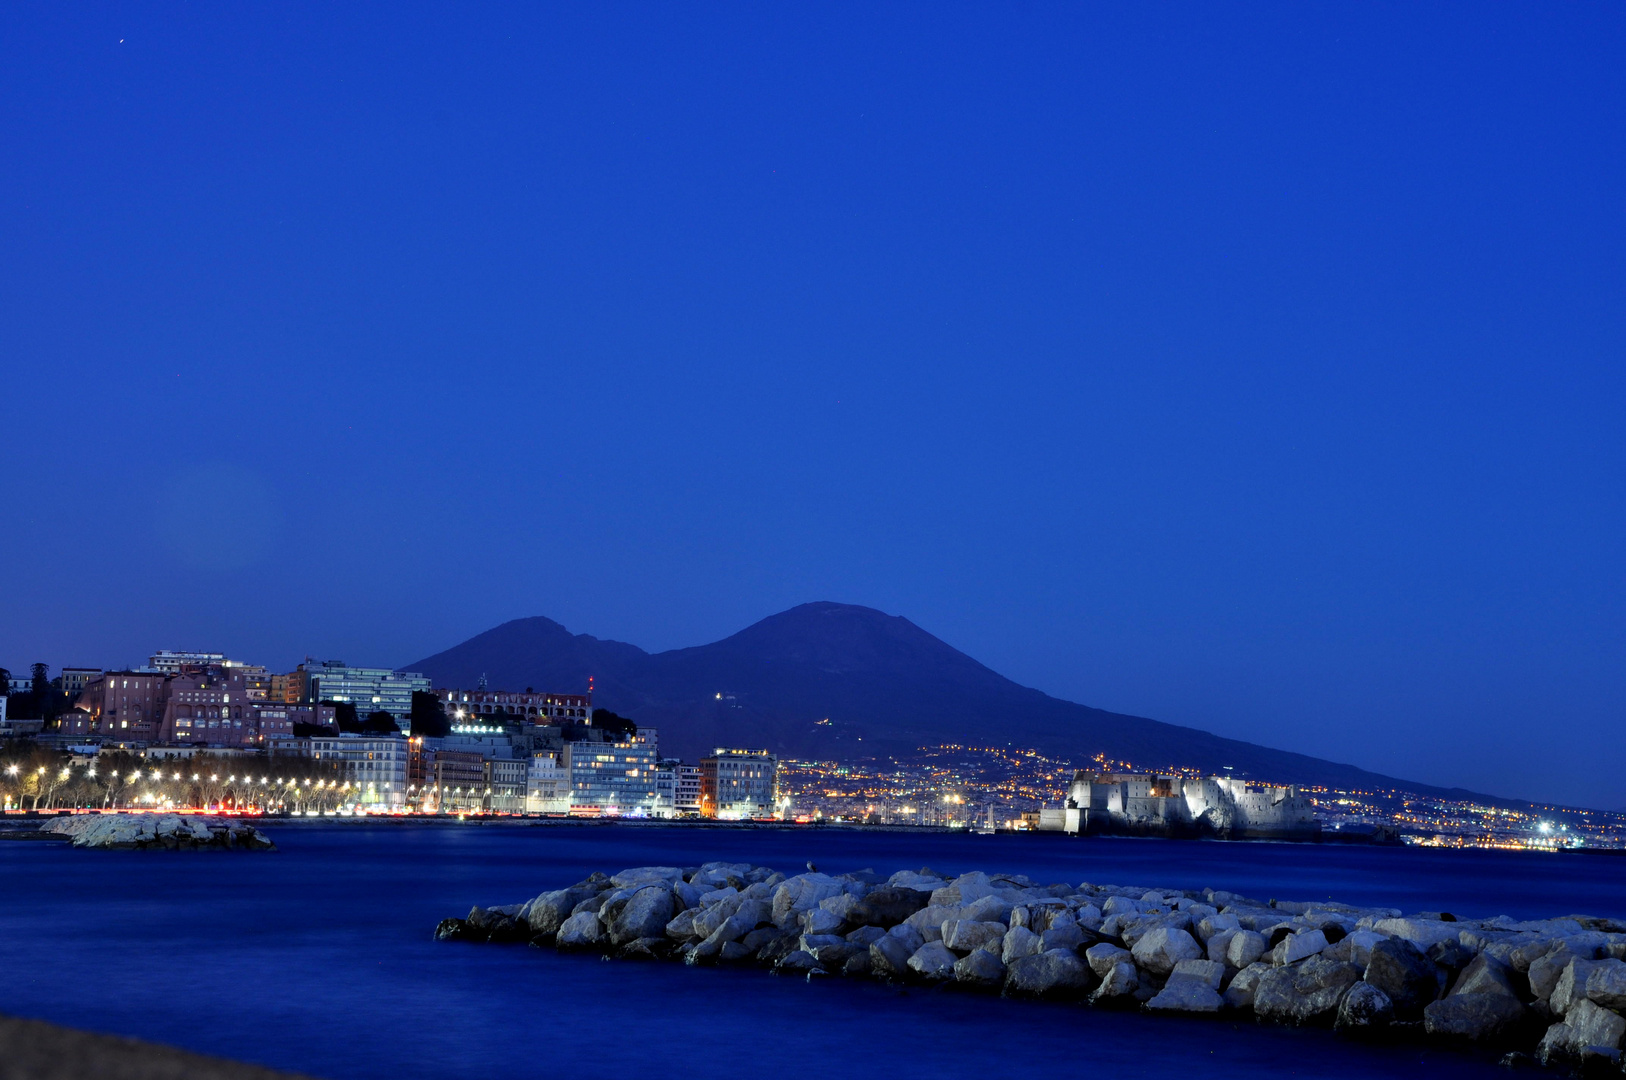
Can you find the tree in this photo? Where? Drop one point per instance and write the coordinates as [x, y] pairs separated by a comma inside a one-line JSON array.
[[5, 682], [344, 715], [41, 682], [611, 724], [380, 723], [428, 716]]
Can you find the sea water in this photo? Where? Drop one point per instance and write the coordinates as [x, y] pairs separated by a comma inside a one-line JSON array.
[[319, 957]]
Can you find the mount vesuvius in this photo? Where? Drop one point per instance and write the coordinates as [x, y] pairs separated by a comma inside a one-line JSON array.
[[840, 681]]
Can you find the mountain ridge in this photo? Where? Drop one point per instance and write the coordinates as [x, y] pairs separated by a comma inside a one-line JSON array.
[[827, 680]]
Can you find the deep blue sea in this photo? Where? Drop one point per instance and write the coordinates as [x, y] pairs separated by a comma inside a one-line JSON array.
[[319, 958]]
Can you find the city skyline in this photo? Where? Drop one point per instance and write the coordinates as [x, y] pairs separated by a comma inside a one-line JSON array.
[[1252, 371]]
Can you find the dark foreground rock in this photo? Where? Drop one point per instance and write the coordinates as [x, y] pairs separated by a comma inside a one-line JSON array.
[[32, 1050], [1551, 989]]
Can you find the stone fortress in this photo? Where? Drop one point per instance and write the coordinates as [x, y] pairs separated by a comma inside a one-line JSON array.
[[1151, 804]]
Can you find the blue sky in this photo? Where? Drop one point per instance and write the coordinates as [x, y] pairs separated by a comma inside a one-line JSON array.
[[1257, 368]]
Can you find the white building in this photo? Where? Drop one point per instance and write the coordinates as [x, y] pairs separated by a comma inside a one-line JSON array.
[[615, 779], [547, 785], [686, 789]]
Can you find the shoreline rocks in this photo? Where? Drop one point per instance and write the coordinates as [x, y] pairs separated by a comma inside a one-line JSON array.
[[1552, 990], [169, 832]]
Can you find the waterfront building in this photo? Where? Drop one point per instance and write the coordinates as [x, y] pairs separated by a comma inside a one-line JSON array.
[[125, 705], [505, 783], [547, 785], [455, 782], [614, 778], [686, 789], [737, 784], [375, 765], [531, 706], [370, 690]]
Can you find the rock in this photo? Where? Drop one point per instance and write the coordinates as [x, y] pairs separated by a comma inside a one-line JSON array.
[[803, 893], [645, 915], [1104, 956], [592, 903], [1245, 948], [547, 912], [965, 935], [1486, 975], [1419, 931], [1586, 1026], [1571, 986], [1239, 994], [1451, 955], [1209, 972], [1354, 948], [1304, 993], [834, 956], [1218, 942], [1120, 982], [839, 905], [798, 962], [681, 926], [1183, 993], [979, 967], [814, 942], [647, 948], [1210, 925], [686, 894], [821, 921], [581, 931], [1134, 930], [929, 920], [1068, 935], [1400, 970], [1160, 949], [734, 952], [866, 935], [1606, 984], [456, 930], [857, 964], [1364, 1008], [647, 875], [775, 948], [756, 939], [888, 906], [923, 880], [889, 957], [1299, 946], [1020, 941], [1545, 970], [1056, 973], [1476, 1017], [932, 961], [991, 909]]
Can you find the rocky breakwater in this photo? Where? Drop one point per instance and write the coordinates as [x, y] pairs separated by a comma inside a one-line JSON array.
[[1552, 989], [171, 832]]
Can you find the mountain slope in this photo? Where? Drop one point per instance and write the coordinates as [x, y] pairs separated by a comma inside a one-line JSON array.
[[837, 680]]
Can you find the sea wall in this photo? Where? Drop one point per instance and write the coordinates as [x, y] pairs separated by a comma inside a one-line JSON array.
[[171, 832], [1551, 989]]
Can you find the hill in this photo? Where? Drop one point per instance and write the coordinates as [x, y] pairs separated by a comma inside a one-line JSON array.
[[828, 680]]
